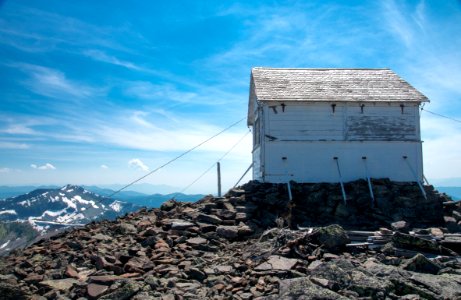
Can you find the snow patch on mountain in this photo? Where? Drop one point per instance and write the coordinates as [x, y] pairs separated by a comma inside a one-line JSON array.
[[4, 244], [83, 201], [116, 206]]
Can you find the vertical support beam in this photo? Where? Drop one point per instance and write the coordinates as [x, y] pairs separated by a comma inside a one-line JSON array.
[[284, 159], [340, 180], [289, 191], [218, 165], [370, 188], [416, 177]]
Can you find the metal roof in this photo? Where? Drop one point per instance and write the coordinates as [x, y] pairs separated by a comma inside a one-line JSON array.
[[357, 85]]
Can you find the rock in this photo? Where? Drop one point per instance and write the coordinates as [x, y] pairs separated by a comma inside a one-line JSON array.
[[168, 205], [101, 237], [197, 241], [33, 278], [304, 289], [196, 274], [451, 224], [209, 219], [95, 290], [276, 262], [419, 263], [228, 232], [436, 232], [181, 225], [400, 226], [129, 289], [332, 237], [59, 284], [244, 230], [406, 241], [126, 228], [105, 279], [71, 272], [12, 291]]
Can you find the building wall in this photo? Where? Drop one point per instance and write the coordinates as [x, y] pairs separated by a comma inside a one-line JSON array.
[[313, 161], [309, 135]]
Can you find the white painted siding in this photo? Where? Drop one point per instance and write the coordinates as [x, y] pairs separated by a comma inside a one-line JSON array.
[[316, 121], [305, 122], [313, 161], [309, 135]]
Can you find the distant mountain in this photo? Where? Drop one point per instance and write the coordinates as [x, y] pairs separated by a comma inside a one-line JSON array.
[[144, 188], [12, 191], [45, 210], [144, 194], [141, 199], [68, 205], [453, 191]]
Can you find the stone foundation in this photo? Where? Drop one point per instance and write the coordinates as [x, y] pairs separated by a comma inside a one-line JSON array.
[[322, 204]]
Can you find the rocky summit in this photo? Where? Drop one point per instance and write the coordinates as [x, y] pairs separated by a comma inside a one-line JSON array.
[[255, 243]]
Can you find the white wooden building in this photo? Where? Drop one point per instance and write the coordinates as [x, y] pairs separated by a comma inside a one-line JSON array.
[[330, 125]]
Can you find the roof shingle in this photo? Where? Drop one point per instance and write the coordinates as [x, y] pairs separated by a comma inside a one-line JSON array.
[[332, 85]]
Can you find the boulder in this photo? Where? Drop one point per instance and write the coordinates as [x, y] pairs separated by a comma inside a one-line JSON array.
[[128, 290], [59, 284], [304, 289], [278, 263], [419, 263], [168, 205], [228, 232], [406, 241], [332, 237], [95, 290], [212, 219], [401, 226]]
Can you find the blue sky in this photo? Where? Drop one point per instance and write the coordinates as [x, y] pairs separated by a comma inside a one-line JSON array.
[[99, 92]]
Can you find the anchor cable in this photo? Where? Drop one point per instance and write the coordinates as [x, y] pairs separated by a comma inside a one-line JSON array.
[[211, 167], [177, 157]]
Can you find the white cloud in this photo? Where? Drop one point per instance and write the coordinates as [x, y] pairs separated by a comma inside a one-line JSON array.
[[54, 83], [137, 163], [12, 145], [5, 170], [165, 92], [18, 129], [104, 167], [103, 57], [46, 166]]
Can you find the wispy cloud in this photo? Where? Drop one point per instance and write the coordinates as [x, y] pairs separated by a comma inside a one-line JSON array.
[[104, 167], [137, 163], [18, 129], [162, 92], [46, 166], [13, 145], [5, 170], [99, 55], [54, 83], [430, 58], [53, 31]]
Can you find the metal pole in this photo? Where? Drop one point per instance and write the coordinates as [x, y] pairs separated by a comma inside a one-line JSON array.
[[219, 178], [340, 180], [416, 177], [364, 158], [243, 175]]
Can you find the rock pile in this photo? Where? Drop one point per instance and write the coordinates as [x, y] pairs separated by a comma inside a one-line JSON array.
[[234, 247]]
